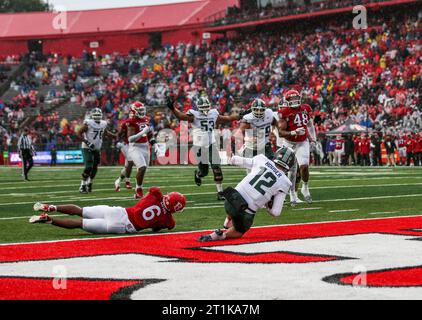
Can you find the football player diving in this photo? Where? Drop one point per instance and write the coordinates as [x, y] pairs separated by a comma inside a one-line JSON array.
[[265, 186], [154, 211]]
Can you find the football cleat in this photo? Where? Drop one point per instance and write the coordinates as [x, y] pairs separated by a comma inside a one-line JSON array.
[[294, 199], [220, 196], [83, 189], [128, 185], [43, 207], [117, 185], [139, 194], [198, 180], [43, 218], [89, 187], [306, 194], [205, 238]]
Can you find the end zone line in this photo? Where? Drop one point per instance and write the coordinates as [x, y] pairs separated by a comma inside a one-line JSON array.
[[206, 230]]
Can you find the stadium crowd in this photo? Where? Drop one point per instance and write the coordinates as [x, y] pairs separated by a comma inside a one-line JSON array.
[[370, 77], [287, 8]]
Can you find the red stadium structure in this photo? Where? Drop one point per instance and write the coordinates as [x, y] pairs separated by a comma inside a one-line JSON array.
[[123, 29], [107, 30]]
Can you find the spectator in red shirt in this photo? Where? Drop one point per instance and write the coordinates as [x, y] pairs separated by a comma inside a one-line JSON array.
[[365, 148], [410, 145]]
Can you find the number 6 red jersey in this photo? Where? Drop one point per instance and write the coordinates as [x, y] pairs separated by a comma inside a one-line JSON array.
[[296, 118], [149, 212]]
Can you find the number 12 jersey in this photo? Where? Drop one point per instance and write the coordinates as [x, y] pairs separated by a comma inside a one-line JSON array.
[[263, 182]]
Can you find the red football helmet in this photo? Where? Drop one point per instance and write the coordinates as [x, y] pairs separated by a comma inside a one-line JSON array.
[[138, 109], [174, 202], [292, 99]]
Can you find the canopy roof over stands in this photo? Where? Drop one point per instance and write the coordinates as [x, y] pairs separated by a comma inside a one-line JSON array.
[[348, 127], [134, 19]]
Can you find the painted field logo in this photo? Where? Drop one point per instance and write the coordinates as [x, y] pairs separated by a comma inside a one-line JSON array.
[[372, 259]]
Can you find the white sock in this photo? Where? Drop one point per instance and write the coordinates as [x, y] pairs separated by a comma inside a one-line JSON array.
[[83, 183], [219, 187], [89, 181], [127, 179], [215, 236], [118, 180], [306, 185], [138, 187], [228, 223]]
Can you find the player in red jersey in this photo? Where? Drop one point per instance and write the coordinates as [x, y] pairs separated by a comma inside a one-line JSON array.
[[124, 149], [154, 211], [297, 128], [138, 129]]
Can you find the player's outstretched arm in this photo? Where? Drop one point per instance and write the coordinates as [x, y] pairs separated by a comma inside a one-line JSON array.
[[277, 205], [227, 119], [178, 114], [246, 163]]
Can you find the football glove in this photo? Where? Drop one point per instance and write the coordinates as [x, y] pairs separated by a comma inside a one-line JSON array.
[[244, 112], [90, 145], [170, 102]]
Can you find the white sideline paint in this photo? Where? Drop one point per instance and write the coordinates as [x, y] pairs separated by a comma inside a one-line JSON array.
[[305, 209], [204, 230], [110, 181], [345, 210], [209, 184], [203, 193]]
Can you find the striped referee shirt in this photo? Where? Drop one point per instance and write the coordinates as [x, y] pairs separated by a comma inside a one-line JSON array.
[[25, 143]]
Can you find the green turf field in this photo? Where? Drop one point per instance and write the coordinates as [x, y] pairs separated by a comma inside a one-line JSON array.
[[339, 194]]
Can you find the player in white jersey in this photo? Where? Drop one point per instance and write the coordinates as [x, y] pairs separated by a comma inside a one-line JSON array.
[[204, 121], [91, 133], [265, 186], [256, 128]]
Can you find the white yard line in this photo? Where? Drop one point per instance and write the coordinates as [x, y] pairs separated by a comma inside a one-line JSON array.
[[205, 193], [386, 212], [208, 184], [345, 210], [305, 209]]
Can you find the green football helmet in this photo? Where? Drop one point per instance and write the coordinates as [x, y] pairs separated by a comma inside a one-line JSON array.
[[96, 114], [203, 104], [258, 108], [285, 157]]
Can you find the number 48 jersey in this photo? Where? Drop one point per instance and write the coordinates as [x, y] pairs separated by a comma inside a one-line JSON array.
[[203, 127], [95, 133], [263, 182], [296, 118]]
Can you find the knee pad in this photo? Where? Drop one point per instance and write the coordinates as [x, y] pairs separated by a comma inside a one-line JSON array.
[[218, 173]]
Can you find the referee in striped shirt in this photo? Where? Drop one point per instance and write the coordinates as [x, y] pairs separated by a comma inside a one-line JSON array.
[[27, 151]]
